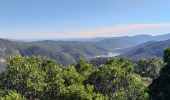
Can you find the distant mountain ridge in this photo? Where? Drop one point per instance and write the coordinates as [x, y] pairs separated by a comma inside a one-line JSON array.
[[130, 41], [68, 52]]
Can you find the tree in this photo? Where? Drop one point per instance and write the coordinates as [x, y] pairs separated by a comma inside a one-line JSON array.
[[117, 80], [84, 68], [149, 67], [81, 92], [43, 79], [24, 75], [12, 95], [159, 89], [53, 79]]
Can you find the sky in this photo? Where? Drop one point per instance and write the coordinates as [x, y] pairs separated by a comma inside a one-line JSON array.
[[41, 19]]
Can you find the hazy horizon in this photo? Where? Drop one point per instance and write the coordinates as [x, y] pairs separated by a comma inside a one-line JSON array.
[[44, 19], [77, 39]]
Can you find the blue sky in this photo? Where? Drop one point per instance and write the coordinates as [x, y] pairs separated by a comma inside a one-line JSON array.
[[29, 19]]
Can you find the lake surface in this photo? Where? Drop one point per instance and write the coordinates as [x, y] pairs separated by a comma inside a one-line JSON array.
[[110, 54], [113, 54]]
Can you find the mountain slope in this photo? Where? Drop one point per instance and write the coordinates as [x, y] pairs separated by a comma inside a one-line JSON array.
[[65, 52], [7, 48], [130, 41], [68, 52], [149, 49]]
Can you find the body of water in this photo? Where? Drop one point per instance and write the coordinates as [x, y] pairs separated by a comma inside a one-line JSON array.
[[113, 54], [110, 54]]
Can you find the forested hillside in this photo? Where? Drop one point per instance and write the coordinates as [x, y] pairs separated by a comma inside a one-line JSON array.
[[7, 48], [65, 52], [149, 49]]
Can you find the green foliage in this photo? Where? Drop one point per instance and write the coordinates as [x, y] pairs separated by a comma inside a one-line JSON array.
[[84, 68], [159, 89], [117, 80], [71, 76], [167, 56], [25, 75], [44, 79], [80, 92], [53, 79], [12, 95], [149, 67], [99, 60]]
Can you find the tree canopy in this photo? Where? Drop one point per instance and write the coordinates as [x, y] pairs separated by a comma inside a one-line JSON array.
[[44, 79], [159, 89]]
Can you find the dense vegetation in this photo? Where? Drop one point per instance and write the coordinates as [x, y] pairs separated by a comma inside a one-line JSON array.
[[118, 79], [148, 67], [145, 67], [42, 78], [160, 87]]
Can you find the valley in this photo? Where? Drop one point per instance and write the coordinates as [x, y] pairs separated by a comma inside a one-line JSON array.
[[69, 52]]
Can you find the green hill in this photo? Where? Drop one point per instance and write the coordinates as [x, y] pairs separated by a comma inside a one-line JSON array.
[[65, 52], [149, 49], [7, 48], [68, 52]]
